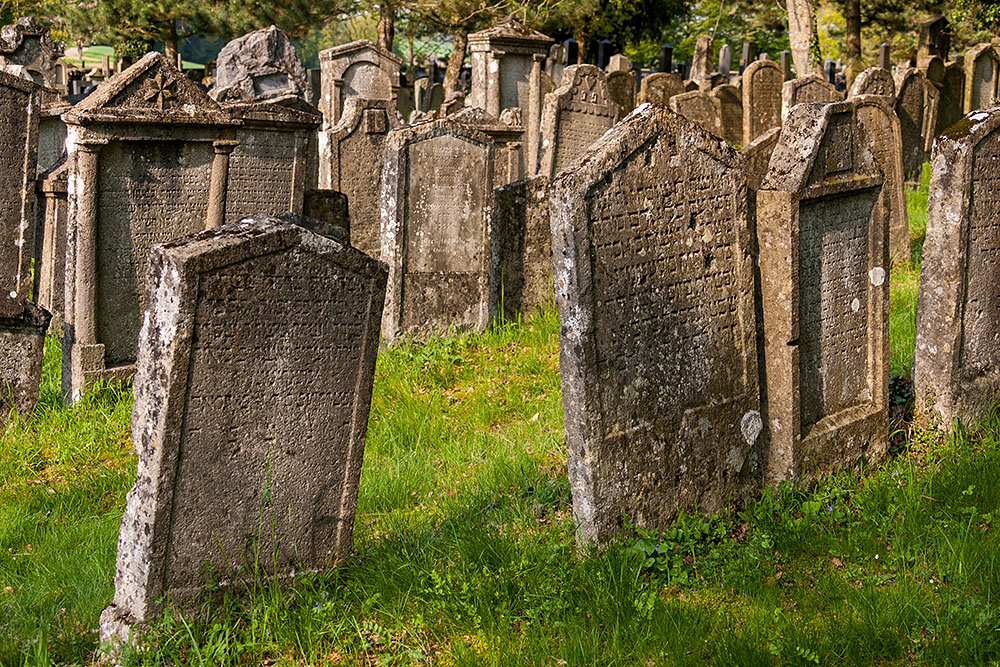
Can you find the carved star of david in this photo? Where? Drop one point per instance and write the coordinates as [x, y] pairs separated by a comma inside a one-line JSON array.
[[160, 91]]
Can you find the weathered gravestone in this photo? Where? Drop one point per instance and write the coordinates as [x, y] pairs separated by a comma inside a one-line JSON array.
[[762, 82], [659, 87], [956, 368], [576, 114], [508, 158], [822, 226], [22, 339], [258, 66], [254, 382], [149, 162], [524, 246], [51, 221], [621, 89], [352, 158], [28, 44], [358, 69], [810, 88], [756, 157], [658, 354], [932, 67], [729, 102], [270, 168], [916, 106], [618, 63], [982, 76], [951, 103], [436, 231], [700, 107], [874, 81], [701, 61]]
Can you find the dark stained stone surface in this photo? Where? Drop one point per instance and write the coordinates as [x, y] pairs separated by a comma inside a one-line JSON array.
[[524, 242]]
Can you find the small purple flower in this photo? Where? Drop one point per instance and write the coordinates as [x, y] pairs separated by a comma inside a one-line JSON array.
[[656, 549], [829, 508]]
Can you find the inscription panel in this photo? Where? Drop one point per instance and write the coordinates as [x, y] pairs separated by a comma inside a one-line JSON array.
[[15, 236], [910, 109], [359, 168], [984, 81], [579, 128], [260, 174], [833, 304], [764, 108], [148, 193]]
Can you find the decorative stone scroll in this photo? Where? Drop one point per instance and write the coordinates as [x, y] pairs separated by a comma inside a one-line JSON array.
[[576, 114], [254, 382], [822, 225], [658, 355], [762, 82], [956, 367]]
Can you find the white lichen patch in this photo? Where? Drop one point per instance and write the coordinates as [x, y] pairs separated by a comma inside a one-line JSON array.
[[877, 276]]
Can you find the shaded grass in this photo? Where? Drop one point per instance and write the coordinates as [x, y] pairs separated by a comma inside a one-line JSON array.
[[904, 281]]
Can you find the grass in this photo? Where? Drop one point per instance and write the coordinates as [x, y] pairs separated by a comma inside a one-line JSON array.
[[464, 551]]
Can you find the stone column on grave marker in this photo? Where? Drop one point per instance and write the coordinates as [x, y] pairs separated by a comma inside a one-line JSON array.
[[217, 184], [85, 177]]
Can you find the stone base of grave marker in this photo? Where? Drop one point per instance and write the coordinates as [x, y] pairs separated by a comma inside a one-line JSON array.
[[22, 340]]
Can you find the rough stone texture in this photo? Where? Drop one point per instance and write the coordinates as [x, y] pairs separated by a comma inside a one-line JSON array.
[[700, 107], [51, 220], [249, 454], [618, 63], [729, 102], [524, 246], [436, 230], [762, 81], [352, 158], [982, 76], [148, 155], [800, 34], [329, 210], [916, 106], [576, 114], [259, 66], [701, 61], [881, 125], [811, 88], [756, 157], [508, 147], [658, 356], [659, 87], [359, 69], [956, 374], [874, 81], [22, 338], [951, 103], [269, 170], [822, 226], [19, 110], [51, 135], [28, 44], [621, 88]]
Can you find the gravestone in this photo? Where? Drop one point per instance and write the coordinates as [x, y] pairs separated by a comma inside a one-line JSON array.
[[576, 114], [149, 161], [22, 342], [756, 157], [729, 102], [658, 357], [352, 159], [982, 76], [700, 107], [934, 38], [874, 81], [725, 59], [762, 82], [436, 230], [952, 98], [810, 88], [956, 374], [618, 63], [51, 133], [701, 65], [28, 44], [524, 246], [658, 88], [932, 67], [915, 106], [270, 168], [435, 97], [508, 158], [822, 226], [51, 221], [358, 69], [249, 455], [327, 212], [621, 89], [260, 65]]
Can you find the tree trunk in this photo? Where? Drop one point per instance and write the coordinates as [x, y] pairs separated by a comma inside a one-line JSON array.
[[455, 60], [853, 29], [170, 41], [800, 33], [386, 26]]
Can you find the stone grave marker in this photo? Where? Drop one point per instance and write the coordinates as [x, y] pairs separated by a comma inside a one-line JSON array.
[[658, 355], [618, 63], [576, 114], [874, 81], [762, 82], [956, 374], [756, 157], [508, 146], [659, 87], [51, 221], [22, 339], [249, 455], [352, 159], [436, 230], [524, 246], [982, 76], [932, 67], [28, 44], [701, 65], [700, 107], [822, 226], [810, 88], [149, 162], [952, 99], [358, 69], [913, 97], [621, 89], [729, 102], [260, 65]]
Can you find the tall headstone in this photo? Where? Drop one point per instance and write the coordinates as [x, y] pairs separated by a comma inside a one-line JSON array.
[[982, 76], [621, 88], [932, 67], [260, 65], [659, 87], [524, 240], [725, 59], [508, 142], [507, 64], [762, 82], [874, 81], [436, 230], [358, 69], [730, 105], [811, 88], [604, 51], [884, 56], [916, 105], [747, 55], [701, 65], [572, 52], [952, 98], [699, 107], [149, 161], [576, 114], [254, 382], [934, 38], [822, 225], [956, 374], [658, 355]]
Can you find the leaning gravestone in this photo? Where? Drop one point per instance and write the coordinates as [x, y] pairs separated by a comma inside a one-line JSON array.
[[575, 115], [352, 157], [956, 367], [951, 103], [659, 87], [810, 88], [258, 66], [654, 283], [874, 81], [249, 454], [621, 88], [436, 231], [524, 242], [913, 99], [700, 107], [822, 225], [982, 76], [762, 82], [149, 162]]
